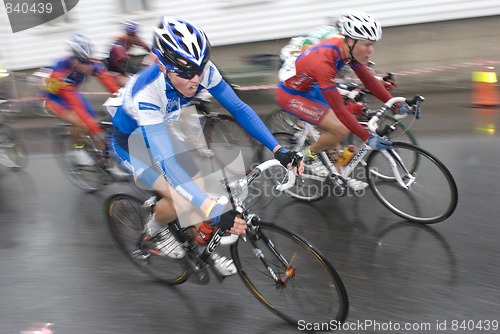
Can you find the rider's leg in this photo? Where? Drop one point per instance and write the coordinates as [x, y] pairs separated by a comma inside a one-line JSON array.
[[172, 204], [60, 110], [333, 131]]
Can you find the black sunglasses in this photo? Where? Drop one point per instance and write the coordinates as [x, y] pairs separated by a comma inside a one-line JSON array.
[[187, 74]]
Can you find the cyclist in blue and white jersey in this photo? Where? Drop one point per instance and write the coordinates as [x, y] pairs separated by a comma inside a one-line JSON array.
[[155, 97]]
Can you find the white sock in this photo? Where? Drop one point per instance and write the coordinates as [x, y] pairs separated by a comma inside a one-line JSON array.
[[154, 225]]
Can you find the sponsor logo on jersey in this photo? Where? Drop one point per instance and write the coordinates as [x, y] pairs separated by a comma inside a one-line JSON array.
[[148, 106]]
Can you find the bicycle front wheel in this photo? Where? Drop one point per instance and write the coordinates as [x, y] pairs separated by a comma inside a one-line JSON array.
[[290, 277], [431, 195], [126, 221], [77, 163]]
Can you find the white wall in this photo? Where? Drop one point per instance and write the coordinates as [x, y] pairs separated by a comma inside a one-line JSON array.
[[225, 21]]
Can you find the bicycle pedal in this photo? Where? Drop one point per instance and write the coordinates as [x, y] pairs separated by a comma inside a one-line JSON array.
[[339, 188]]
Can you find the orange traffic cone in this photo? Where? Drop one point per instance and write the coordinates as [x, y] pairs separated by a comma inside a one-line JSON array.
[[484, 87]]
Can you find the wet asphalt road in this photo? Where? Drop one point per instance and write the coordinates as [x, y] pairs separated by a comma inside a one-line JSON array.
[[59, 264]]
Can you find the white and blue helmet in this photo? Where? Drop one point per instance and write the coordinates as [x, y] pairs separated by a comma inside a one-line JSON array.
[[81, 46], [131, 27], [180, 45]]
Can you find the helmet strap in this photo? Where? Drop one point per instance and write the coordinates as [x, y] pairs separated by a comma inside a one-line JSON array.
[[351, 48]]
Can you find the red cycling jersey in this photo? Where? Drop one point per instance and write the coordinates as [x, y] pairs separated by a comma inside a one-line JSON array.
[[317, 66], [119, 50]]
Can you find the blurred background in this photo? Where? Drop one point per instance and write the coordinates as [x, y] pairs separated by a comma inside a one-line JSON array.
[[247, 35]]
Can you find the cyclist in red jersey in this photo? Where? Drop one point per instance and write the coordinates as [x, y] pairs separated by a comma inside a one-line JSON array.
[[61, 90], [118, 60], [307, 86]]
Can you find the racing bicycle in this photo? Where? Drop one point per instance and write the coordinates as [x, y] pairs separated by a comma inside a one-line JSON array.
[[281, 269], [410, 181]]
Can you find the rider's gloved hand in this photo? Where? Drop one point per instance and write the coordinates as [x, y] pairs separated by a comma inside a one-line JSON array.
[[378, 143], [285, 157], [404, 109], [222, 216]]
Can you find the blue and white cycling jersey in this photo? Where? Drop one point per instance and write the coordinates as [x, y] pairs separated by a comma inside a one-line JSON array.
[[149, 101]]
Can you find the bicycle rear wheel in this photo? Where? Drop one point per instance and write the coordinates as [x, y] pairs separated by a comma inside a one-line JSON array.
[[126, 221], [307, 288], [280, 120], [308, 188], [228, 140], [431, 198], [12, 151], [88, 176]]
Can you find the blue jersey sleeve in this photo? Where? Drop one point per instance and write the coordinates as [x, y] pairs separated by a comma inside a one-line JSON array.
[[245, 115], [162, 151]]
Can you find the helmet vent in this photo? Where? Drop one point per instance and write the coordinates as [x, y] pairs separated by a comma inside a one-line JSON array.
[[184, 46], [178, 33], [167, 37], [195, 51]]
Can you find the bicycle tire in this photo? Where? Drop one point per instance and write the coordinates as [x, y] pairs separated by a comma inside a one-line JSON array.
[[126, 221], [12, 149], [279, 120], [431, 199], [311, 291], [401, 133], [227, 139], [308, 188], [91, 178]]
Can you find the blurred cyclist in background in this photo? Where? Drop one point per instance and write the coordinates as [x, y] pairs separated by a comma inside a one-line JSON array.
[[300, 43], [307, 87], [63, 99], [153, 99], [118, 60]]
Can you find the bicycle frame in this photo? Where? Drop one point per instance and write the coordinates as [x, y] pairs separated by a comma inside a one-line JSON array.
[[391, 155], [235, 189]]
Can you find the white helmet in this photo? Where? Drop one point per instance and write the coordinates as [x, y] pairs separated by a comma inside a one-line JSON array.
[[81, 46], [360, 25]]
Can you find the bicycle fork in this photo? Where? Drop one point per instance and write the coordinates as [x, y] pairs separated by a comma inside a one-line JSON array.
[[258, 253], [394, 161]]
